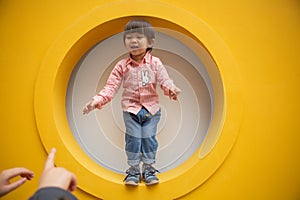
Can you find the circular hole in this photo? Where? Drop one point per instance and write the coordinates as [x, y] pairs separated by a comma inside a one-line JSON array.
[[57, 129], [183, 125]]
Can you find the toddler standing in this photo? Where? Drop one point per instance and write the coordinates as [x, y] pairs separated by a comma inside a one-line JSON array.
[[140, 72]]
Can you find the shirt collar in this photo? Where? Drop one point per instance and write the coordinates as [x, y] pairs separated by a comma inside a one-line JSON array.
[[146, 59]]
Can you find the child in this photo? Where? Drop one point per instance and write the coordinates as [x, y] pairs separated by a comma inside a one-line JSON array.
[[140, 73]]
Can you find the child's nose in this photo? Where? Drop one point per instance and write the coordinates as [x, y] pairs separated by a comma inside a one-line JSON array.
[[134, 39]]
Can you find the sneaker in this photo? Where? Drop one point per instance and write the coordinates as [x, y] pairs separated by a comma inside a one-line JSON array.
[[148, 174], [133, 176]]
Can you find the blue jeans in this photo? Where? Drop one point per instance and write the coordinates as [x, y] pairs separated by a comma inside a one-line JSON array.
[[140, 138]]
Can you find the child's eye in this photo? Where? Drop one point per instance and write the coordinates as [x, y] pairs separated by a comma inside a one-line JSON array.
[[128, 37]]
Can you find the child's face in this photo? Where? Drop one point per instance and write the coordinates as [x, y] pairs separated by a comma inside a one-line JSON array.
[[136, 43]]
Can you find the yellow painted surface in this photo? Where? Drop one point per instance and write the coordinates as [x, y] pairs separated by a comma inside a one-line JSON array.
[[259, 38]]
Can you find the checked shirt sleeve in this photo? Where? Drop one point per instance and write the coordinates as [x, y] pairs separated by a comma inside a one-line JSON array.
[[111, 88], [163, 78]]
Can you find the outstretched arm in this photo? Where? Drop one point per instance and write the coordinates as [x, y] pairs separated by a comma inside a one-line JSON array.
[[57, 176], [55, 182], [166, 83], [108, 92]]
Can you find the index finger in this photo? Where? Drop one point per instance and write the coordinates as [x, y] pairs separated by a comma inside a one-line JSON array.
[[50, 159]]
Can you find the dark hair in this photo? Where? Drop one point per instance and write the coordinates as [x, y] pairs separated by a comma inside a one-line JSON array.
[[142, 27]]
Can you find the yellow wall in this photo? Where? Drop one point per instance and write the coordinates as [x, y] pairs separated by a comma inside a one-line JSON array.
[[263, 38]]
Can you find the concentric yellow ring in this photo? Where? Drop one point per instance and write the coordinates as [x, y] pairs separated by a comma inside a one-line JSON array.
[[72, 44]]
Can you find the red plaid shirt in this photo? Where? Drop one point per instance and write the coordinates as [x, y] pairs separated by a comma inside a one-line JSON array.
[[139, 84]]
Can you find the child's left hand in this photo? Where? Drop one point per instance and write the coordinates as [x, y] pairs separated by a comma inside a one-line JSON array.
[[173, 94]]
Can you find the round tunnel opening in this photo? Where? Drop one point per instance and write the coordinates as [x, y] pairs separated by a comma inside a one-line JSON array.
[[54, 103], [183, 125]]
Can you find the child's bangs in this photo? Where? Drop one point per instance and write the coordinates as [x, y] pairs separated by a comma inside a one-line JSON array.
[[135, 30], [141, 27]]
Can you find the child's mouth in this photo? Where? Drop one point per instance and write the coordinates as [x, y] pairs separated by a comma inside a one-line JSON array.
[[134, 47]]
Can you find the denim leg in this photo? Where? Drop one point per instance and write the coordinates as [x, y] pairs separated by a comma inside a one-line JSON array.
[[149, 142], [133, 139], [140, 136]]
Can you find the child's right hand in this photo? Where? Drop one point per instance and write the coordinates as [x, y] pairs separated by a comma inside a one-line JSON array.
[[89, 107]]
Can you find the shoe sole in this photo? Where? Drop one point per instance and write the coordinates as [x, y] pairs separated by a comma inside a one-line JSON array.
[[153, 182], [131, 183]]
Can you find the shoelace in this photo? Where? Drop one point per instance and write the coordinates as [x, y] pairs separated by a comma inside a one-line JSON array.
[[132, 172], [150, 171]]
